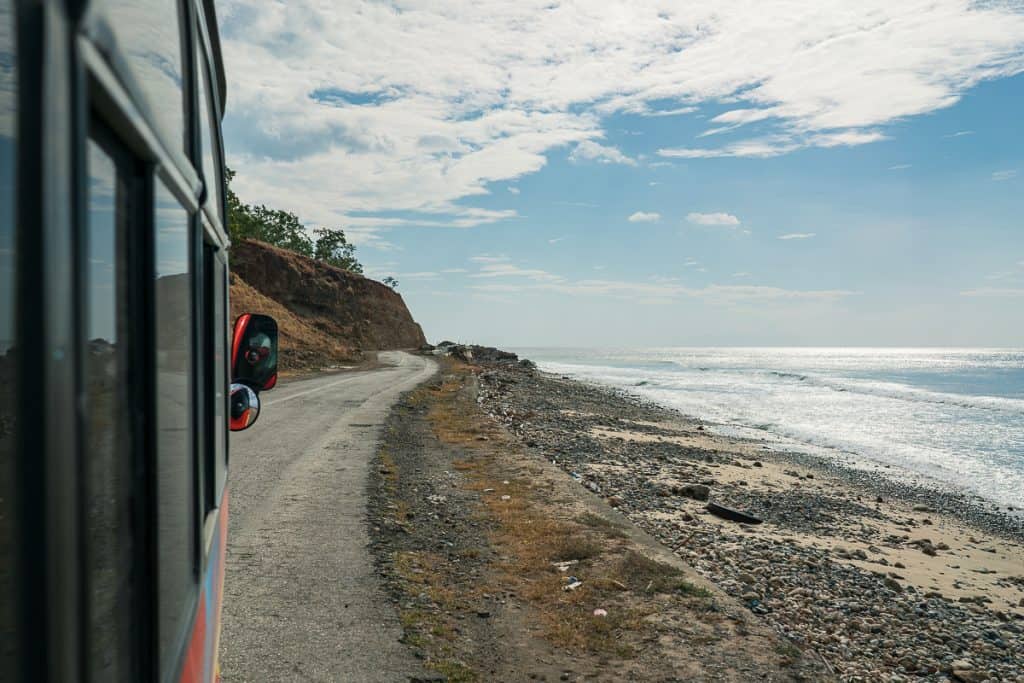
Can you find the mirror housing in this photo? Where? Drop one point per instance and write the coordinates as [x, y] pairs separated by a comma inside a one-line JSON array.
[[244, 407], [254, 352]]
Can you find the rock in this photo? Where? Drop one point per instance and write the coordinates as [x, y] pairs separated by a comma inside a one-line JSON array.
[[695, 491], [614, 501], [922, 508]]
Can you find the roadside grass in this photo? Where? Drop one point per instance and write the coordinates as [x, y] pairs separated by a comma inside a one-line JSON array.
[[641, 573], [607, 527], [431, 630], [530, 537]]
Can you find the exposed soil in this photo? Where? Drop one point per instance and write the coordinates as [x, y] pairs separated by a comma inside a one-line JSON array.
[[481, 542]]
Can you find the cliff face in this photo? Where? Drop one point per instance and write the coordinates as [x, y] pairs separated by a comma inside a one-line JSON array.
[[324, 313]]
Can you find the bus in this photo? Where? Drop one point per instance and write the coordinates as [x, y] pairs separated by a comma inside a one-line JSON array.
[[120, 376]]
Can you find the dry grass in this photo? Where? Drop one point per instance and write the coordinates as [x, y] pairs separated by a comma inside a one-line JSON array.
[[431, 630], [302, 345], [530, 536], [641, 573]]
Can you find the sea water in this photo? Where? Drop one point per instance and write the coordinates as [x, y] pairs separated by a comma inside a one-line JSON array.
[[952, 417]]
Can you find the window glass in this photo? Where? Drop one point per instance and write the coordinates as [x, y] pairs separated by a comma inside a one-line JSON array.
[[210, 148], [144, 41], [176, 490], [8, 361], [215, 301], [106, 464]]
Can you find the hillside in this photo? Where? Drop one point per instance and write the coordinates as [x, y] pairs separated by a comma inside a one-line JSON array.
[[327, 316]]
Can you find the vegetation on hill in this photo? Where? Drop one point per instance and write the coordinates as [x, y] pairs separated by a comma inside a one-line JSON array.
[[283, 229]]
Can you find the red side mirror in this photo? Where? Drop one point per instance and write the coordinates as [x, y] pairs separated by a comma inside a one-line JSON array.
[[254, 351]]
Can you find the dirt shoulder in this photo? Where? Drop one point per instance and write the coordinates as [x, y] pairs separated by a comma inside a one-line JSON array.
[[504, 567]]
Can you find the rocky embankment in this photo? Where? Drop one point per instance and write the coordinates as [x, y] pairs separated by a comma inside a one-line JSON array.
[[327, 316], [886, 581]]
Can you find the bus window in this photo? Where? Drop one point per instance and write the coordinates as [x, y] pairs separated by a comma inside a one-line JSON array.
[[210, 144], [8, 363], [106, 464], [215, 329], [143, 40], [176, 501]]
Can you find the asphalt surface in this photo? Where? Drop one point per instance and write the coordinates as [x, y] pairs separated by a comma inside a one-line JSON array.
[[301, 598]]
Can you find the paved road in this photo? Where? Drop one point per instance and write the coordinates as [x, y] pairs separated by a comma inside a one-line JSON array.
[[302, 601]]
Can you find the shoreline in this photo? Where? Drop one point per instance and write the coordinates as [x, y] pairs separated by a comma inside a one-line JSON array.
[[990, 515], [884, 578]]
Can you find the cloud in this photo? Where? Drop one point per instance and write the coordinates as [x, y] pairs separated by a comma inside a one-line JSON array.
[[741, 274], [775, 145], [498, 270], [959, 134], [489, 258], [726, 219], [644, 217], [1000, 292], [454, 270], [556, 240], [588, 150], [797, 236], [357, 108], [513, 190], [899, 167], [662, 288], [422, 275], [999, 176]]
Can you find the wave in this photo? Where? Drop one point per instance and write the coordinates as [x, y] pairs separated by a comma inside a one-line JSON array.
[[903, 392]]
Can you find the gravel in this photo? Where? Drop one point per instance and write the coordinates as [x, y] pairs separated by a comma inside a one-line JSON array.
[[867, 624]]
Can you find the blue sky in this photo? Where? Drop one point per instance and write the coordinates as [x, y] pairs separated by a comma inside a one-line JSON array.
[[695, 179]]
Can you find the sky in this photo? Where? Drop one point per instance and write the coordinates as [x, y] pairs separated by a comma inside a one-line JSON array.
[[706, 173]]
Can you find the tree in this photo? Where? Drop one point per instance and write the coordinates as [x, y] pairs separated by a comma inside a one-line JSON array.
[[390, 282], [284, 229], [334, 248]]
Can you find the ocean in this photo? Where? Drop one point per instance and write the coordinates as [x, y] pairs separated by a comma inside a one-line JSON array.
[[948, 417]]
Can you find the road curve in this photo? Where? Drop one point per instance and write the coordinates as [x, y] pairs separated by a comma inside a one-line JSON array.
[[301, 598]]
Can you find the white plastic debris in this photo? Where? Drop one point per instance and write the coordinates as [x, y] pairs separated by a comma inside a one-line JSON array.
[[600, 612], [564, 566], [506, 497], [572, 586]]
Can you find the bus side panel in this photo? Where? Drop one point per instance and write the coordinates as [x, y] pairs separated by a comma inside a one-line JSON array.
[[201, 664]]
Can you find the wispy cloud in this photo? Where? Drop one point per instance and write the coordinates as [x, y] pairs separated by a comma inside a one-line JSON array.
[[999, 292], [588, 150], [726, 219], [489, 258], [342, 110], [797, 236], [513, 190], [499, 270], [422, 275], [999, 176], [644, 217], [741, 274], [775, 145], [556, 240], [454, 270], [959, 134], [899, 167]]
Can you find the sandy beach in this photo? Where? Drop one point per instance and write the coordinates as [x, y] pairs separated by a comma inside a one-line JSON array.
[[886, 580]]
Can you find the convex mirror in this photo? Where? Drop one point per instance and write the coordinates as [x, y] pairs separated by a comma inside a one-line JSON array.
[[244, 407]]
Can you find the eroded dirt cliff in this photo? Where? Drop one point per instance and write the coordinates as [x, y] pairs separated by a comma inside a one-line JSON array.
[[327, 316]]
